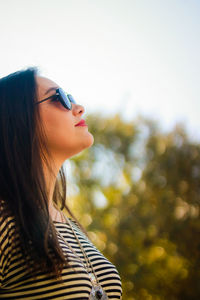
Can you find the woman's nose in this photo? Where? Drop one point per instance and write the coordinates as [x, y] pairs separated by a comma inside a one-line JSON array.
[[77, 109]]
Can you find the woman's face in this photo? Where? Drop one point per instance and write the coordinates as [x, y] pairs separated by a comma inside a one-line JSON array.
[[64, 138]]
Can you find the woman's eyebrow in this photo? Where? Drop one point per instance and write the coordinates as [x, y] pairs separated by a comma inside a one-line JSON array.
[[51, 89]]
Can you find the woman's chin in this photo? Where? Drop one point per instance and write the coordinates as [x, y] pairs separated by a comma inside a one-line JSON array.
[[88, 142]]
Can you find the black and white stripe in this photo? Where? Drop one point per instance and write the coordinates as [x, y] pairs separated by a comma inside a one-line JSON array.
[[15, 282]]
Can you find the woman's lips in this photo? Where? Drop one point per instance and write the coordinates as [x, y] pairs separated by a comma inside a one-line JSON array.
[[81, 123]]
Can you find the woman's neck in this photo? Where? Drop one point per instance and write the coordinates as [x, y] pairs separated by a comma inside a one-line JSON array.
[[55, 214]]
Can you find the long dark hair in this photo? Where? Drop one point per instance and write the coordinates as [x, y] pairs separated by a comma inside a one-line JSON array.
[[22, 185]]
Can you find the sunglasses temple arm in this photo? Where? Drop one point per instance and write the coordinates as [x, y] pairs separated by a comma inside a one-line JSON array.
[[45, 99]]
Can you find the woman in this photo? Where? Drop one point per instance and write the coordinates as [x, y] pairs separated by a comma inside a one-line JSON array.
[[43, 253]]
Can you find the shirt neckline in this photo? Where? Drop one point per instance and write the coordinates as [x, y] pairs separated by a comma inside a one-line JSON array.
[[62, 222]]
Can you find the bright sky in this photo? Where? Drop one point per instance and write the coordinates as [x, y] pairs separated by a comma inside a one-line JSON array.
[[136, 56]]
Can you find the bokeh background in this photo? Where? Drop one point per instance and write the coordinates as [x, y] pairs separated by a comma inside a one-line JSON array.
[[134, 66]]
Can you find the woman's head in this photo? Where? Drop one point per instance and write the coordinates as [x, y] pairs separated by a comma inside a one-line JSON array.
[[63, 137], [33, 136]]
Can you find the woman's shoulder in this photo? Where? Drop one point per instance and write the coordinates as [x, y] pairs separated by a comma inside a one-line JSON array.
[[7, 221], [7, 237], [79, 230]]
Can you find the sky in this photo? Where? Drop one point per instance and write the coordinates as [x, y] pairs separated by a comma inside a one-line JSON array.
[[128, 56]]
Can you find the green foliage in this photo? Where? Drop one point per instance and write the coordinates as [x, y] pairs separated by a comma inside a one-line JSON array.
[[138, 195]]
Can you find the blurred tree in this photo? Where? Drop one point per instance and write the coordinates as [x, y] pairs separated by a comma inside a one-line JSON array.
[[137, 191]]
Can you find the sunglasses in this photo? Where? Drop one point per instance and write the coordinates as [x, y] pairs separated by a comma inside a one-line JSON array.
[[65, 99]]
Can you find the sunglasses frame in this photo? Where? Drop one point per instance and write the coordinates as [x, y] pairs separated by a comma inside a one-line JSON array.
[[61, 94]]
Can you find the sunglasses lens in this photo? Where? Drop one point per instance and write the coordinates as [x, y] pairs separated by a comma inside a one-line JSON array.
[[71, 98], [66, 99]]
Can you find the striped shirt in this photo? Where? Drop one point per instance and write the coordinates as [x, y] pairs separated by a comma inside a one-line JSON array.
[[15, 282]]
